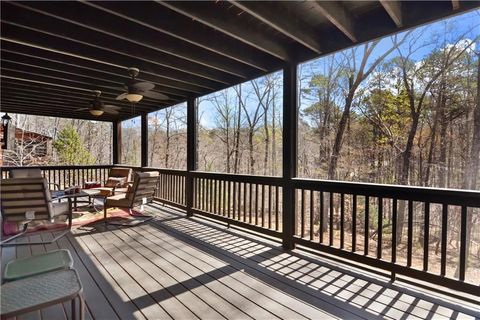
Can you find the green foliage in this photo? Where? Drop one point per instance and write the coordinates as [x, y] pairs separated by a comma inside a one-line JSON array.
[[70, 148]]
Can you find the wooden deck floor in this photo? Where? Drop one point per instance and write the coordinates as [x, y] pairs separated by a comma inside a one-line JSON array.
[[174, 267]]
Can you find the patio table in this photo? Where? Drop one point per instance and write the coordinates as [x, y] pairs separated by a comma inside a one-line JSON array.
[[38, 292]]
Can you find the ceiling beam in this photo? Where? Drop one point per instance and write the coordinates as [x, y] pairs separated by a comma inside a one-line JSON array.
[[69, 106], [176, 25], [207, 14], [455, 4], [38, 111], [30, 50], [127, 55], [92, 78], [338, 16], [53, 90], [131, 35], [67, 83], [294, 29], [394, 10]]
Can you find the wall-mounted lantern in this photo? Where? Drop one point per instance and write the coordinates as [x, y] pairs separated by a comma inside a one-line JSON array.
[[5, 123]]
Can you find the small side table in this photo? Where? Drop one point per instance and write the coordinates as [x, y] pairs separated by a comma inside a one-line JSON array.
[[38, 292]]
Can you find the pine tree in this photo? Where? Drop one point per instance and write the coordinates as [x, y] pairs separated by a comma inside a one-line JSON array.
[[70, 148]]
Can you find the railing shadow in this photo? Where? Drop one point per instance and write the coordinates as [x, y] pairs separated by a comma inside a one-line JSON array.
[[318, 283]]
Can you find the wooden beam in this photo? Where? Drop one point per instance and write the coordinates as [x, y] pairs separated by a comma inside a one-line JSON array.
[[126, 55], [47, 67], [117, 141], [81, 67], [455, 4], [293, 29], [394, 10], [88, 21], [178, 26], [339, 16], [191, 152], [66, 82], [290, 136], [144, 139], [250, 34], [44, 90], [19, 109]]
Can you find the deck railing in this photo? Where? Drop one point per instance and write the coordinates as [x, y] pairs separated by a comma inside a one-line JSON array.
[[413, 231], [423, 233], [67, 176], [250, 201]]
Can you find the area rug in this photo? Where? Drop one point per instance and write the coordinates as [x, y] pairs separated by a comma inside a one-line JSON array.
[[80, 219]]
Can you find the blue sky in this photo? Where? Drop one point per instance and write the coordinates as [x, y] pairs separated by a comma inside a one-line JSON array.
[[459, 24]]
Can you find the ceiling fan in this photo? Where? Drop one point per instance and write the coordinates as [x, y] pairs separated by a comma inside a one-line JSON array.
[[136, 90], [97, 108]]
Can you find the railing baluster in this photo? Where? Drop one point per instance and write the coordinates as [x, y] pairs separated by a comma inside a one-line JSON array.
[[463, 244], [245, 189], [322, 222], [269, 206], [342, 220], [367, 226], [263, 205], [394, 236], [277, 202], [229, 194], [331, 219], [250, 202], [354, 223], [426, 235], [312, 213], [302, 213], [256, 204], [394, 230], [409, 233], [204, 198], [379, 228], [443, 259]]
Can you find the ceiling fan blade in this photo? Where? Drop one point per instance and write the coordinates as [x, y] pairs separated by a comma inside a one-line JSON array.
[[110, 111], [80, 109], [155, 95], [112, 107], [121, 96], [141, 86]]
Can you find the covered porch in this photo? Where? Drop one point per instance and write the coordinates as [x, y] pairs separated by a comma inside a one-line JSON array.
[[226, 245]]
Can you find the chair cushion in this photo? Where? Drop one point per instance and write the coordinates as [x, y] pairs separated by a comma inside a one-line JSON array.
[[26, 173], [60, 208], [115, 181], [104, 191], [119, 172], [118, 200]]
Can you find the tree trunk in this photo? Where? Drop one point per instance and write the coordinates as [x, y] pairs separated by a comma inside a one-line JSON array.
[[332, 168]]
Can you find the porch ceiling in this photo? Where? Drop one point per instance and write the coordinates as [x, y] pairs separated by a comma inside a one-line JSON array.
[[53, 54]]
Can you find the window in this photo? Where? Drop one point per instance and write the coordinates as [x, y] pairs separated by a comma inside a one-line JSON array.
[[167, 137], [240, 128]]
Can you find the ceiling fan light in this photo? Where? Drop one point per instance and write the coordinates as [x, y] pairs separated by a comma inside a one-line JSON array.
[[133, 97], [96, 112]]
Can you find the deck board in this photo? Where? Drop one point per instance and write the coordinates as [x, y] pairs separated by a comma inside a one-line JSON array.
[[188, 268]]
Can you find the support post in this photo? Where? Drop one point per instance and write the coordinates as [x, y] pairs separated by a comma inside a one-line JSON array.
[[191, 152], [144, 137], [290, 116], [116, 141]]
